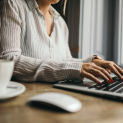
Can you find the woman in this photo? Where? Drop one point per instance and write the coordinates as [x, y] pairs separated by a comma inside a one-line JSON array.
[[35, 36]]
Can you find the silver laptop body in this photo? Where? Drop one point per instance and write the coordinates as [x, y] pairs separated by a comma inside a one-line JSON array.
[[113, 90]]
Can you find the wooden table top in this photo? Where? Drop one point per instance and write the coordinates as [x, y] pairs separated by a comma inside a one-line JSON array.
[[94, 109]]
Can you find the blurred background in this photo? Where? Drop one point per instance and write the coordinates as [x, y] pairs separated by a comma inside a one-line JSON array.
[[95, 27]]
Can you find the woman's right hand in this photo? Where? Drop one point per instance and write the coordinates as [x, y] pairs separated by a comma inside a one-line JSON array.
[[92, 71]]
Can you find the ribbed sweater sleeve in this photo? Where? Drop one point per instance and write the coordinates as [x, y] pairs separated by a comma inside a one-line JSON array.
[[26, 68]]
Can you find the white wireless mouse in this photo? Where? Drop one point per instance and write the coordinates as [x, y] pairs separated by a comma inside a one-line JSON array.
[[60, 100]]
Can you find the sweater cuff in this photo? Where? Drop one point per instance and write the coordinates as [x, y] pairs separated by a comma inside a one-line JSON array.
[[71, 70], [89, 59]]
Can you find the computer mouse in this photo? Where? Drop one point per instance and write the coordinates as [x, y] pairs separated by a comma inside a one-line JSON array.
[[63, 101]]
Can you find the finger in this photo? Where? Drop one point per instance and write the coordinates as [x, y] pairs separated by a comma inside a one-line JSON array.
[[114, 70], [91, 77], [105, 73], [119, 69], [108, 70], [100, 74]]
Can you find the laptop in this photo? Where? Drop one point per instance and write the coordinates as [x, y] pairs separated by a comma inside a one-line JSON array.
[[113, 90]]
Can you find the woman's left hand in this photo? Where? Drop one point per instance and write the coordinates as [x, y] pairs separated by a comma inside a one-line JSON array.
[[110, 65]]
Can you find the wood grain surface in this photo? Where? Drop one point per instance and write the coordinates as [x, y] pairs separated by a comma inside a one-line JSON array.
[[94, 109]]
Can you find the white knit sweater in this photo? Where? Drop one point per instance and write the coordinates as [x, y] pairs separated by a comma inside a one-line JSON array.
[[37, 56]]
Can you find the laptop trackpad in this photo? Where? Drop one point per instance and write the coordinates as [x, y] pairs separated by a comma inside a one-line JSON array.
[[74, 83]]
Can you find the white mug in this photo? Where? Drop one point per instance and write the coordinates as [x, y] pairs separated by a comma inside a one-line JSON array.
[[6, 71]]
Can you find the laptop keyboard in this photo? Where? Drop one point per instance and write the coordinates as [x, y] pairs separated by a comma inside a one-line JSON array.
[[117, 86]]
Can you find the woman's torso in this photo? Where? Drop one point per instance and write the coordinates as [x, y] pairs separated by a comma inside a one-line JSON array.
[[34, 41]]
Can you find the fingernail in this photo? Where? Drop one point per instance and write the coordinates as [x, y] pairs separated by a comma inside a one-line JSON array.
[[108, 71], [99, 82], [122, 78], [112, 80], [109, 81]]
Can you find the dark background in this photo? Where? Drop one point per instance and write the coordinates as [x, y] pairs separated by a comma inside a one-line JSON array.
[[59, 8]]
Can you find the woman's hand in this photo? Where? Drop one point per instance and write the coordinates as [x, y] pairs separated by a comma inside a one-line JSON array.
[[111, 66], [92, 71]]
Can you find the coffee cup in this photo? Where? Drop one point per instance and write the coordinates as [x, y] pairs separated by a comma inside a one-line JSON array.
[[6, 71]]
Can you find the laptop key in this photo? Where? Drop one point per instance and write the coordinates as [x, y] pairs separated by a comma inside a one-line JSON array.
[[117, 87], [120, 91], [116, 79], [111, 86], [101, 87], [96, 86]]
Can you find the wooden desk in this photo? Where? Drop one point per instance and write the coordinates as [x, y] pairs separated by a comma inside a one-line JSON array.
[[94, 110]]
